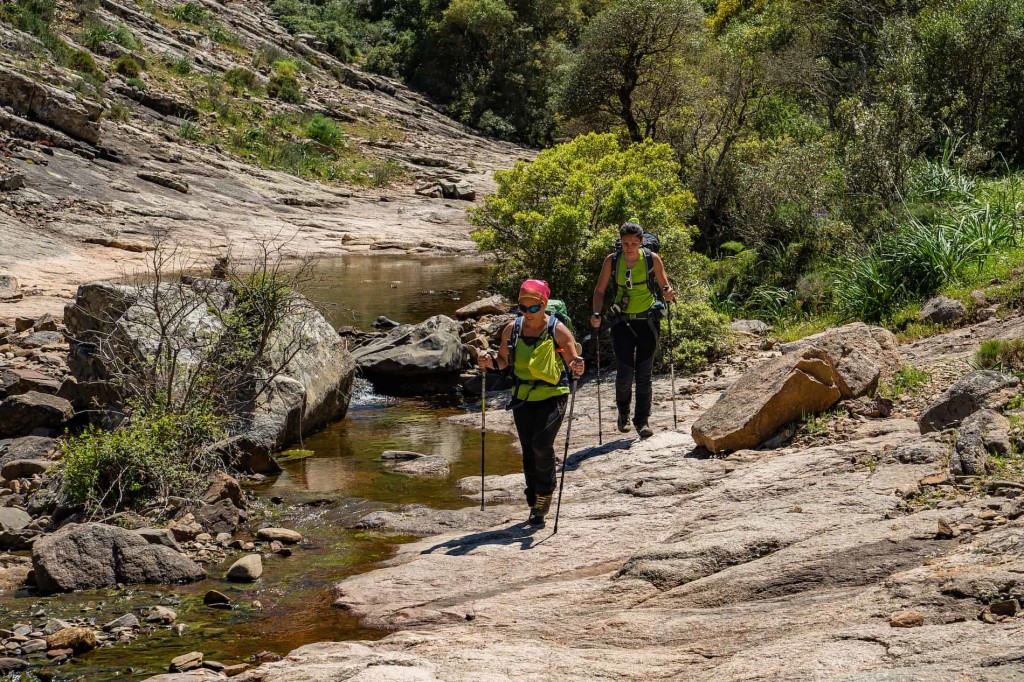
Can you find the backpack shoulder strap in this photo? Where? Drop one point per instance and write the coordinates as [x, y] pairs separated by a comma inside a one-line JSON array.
[[513, 339], [552, 323], [652, 281], [613, 282]]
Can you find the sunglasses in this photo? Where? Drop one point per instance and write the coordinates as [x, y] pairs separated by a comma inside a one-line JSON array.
[[629, 278], [531, 308]]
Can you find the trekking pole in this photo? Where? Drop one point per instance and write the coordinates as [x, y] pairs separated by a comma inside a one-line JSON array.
[[565, 456], [672, 366], [483, 430], [600, 435]]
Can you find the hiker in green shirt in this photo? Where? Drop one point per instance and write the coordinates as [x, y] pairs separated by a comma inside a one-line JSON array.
[[640, 290], [543, 355]]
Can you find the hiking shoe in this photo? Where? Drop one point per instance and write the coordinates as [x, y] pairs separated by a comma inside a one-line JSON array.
[[623, 422], [536, 520], [645, 431]]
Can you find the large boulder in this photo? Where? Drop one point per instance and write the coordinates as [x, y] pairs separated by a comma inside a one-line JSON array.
[[109, 321], [10, 290], [863, 355], [22, 414], [942, 310], [752, 327], [24, 468], [224, 487], [983, 432], [22, 380], [80, 556], [12, 519], [982, 389], [492, 305], [28, 447], [220, 517], [415, 359], [768, 397], [31, 98]]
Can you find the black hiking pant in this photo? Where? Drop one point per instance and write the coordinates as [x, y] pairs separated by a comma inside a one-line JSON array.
[[537, 423], [635, 343]]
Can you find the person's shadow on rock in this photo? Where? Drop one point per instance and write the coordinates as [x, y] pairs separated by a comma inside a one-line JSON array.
[[520, 533], [581, 456]]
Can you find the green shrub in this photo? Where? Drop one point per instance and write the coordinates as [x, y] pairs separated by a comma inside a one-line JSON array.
[[190, 13], [919, 259], [119, 111], [1002, 354], [154, 453], [384, 60], [136, 83], [190, 130], [334, 23], [96, 33], [182, 66], [242, 79], [83, 62], [221, 35], [128, 66], [700, 334], [31, 16], [558, 217], [283, 84], [323, 130], [124, 37], [268, 55]]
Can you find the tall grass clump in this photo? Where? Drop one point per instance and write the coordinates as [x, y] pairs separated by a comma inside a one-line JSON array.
[[920, 258], [1001, 354]]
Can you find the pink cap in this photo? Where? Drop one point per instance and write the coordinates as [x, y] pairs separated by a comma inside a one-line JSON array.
[[535, 288]]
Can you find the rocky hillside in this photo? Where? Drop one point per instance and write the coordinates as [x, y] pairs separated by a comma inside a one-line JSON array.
[[208, 124], [848, 548]]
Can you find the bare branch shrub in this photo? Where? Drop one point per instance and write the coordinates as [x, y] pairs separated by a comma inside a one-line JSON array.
[[189, 360]]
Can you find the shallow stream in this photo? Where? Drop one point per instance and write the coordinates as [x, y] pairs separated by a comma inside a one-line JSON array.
[[322, 495]]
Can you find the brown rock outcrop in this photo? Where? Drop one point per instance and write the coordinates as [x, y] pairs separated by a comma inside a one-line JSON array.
[[768, 397]]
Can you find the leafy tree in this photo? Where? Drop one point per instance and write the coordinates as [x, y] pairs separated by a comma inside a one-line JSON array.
[[969, 56], [629, 63], [557, 217]]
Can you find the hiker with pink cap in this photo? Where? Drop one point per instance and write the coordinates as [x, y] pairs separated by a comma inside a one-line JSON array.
[[544, 357]]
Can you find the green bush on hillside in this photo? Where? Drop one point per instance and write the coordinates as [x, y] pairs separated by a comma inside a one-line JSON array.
[[323, 130], [128, 66], [242, 80], [284, 84]]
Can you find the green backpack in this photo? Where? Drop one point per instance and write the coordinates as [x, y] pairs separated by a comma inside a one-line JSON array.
[[561, 311]]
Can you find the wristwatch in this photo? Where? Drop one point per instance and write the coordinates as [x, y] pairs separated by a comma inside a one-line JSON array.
[[597, 315]]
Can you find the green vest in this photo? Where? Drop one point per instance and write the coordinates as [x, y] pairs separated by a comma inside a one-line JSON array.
[[527, 388], [640, 297]]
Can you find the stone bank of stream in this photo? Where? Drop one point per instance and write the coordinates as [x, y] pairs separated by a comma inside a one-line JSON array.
[[338, 480]]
